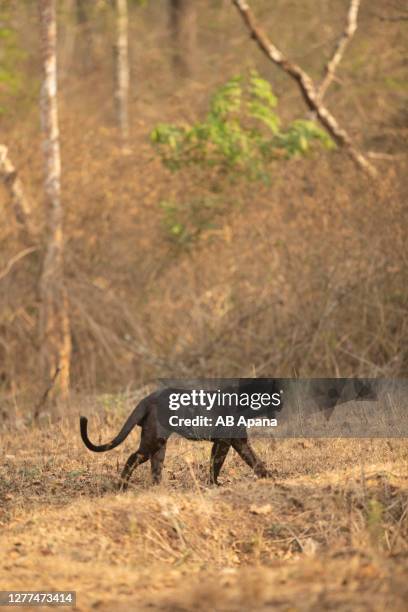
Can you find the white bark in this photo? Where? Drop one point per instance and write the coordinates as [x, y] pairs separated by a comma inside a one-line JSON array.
[[54, 319], [122, 70], [349, 31], [49, 107]]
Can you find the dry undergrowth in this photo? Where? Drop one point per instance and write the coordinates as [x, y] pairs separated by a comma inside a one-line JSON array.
[[331, 531]]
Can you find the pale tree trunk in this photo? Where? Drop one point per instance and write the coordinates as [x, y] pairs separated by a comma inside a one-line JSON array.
[[21, 205], [183, 28], [54, 318], [122, 70]]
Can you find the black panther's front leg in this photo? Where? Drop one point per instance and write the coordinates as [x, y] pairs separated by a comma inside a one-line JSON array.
[[241, 445], [219, 452], [156, 462]]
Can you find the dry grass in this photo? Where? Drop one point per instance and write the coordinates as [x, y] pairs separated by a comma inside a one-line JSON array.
[[331, 531]]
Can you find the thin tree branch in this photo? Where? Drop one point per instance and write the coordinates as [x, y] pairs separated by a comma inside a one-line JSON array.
[[392, 19], [385, 156], [342, 43], [15, 259], [306, 86]]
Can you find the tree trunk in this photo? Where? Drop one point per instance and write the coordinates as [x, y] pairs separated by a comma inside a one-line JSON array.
[[86, 47], [122, 70], [183, 28], [54, 318]]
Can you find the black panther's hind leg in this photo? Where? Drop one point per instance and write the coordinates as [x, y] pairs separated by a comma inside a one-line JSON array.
[[133, 461], [241, 445], [219, 452], [150, 445], [156, 463]]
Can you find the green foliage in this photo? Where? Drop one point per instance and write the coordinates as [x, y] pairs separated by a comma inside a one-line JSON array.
[[241, 132], [11, 56], [184, 223]]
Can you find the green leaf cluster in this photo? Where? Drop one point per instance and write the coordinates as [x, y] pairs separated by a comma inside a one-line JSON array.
[[242, 132], [184, 223]]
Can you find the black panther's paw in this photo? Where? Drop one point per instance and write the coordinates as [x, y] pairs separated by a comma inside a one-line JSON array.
[[214, 483], [267, 473]]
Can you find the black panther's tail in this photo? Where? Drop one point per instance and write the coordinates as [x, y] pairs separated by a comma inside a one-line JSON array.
[[135, 418]]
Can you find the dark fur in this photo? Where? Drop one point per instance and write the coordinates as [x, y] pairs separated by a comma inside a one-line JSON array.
[[153, 445]]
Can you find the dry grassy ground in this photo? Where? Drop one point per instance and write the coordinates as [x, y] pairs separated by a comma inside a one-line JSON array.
[[331, 531]]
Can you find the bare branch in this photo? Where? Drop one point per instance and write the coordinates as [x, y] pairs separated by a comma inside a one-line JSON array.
[[306, 86], [342, 43], [15, 259], [385, 156], [21, 205], [392, 19]]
